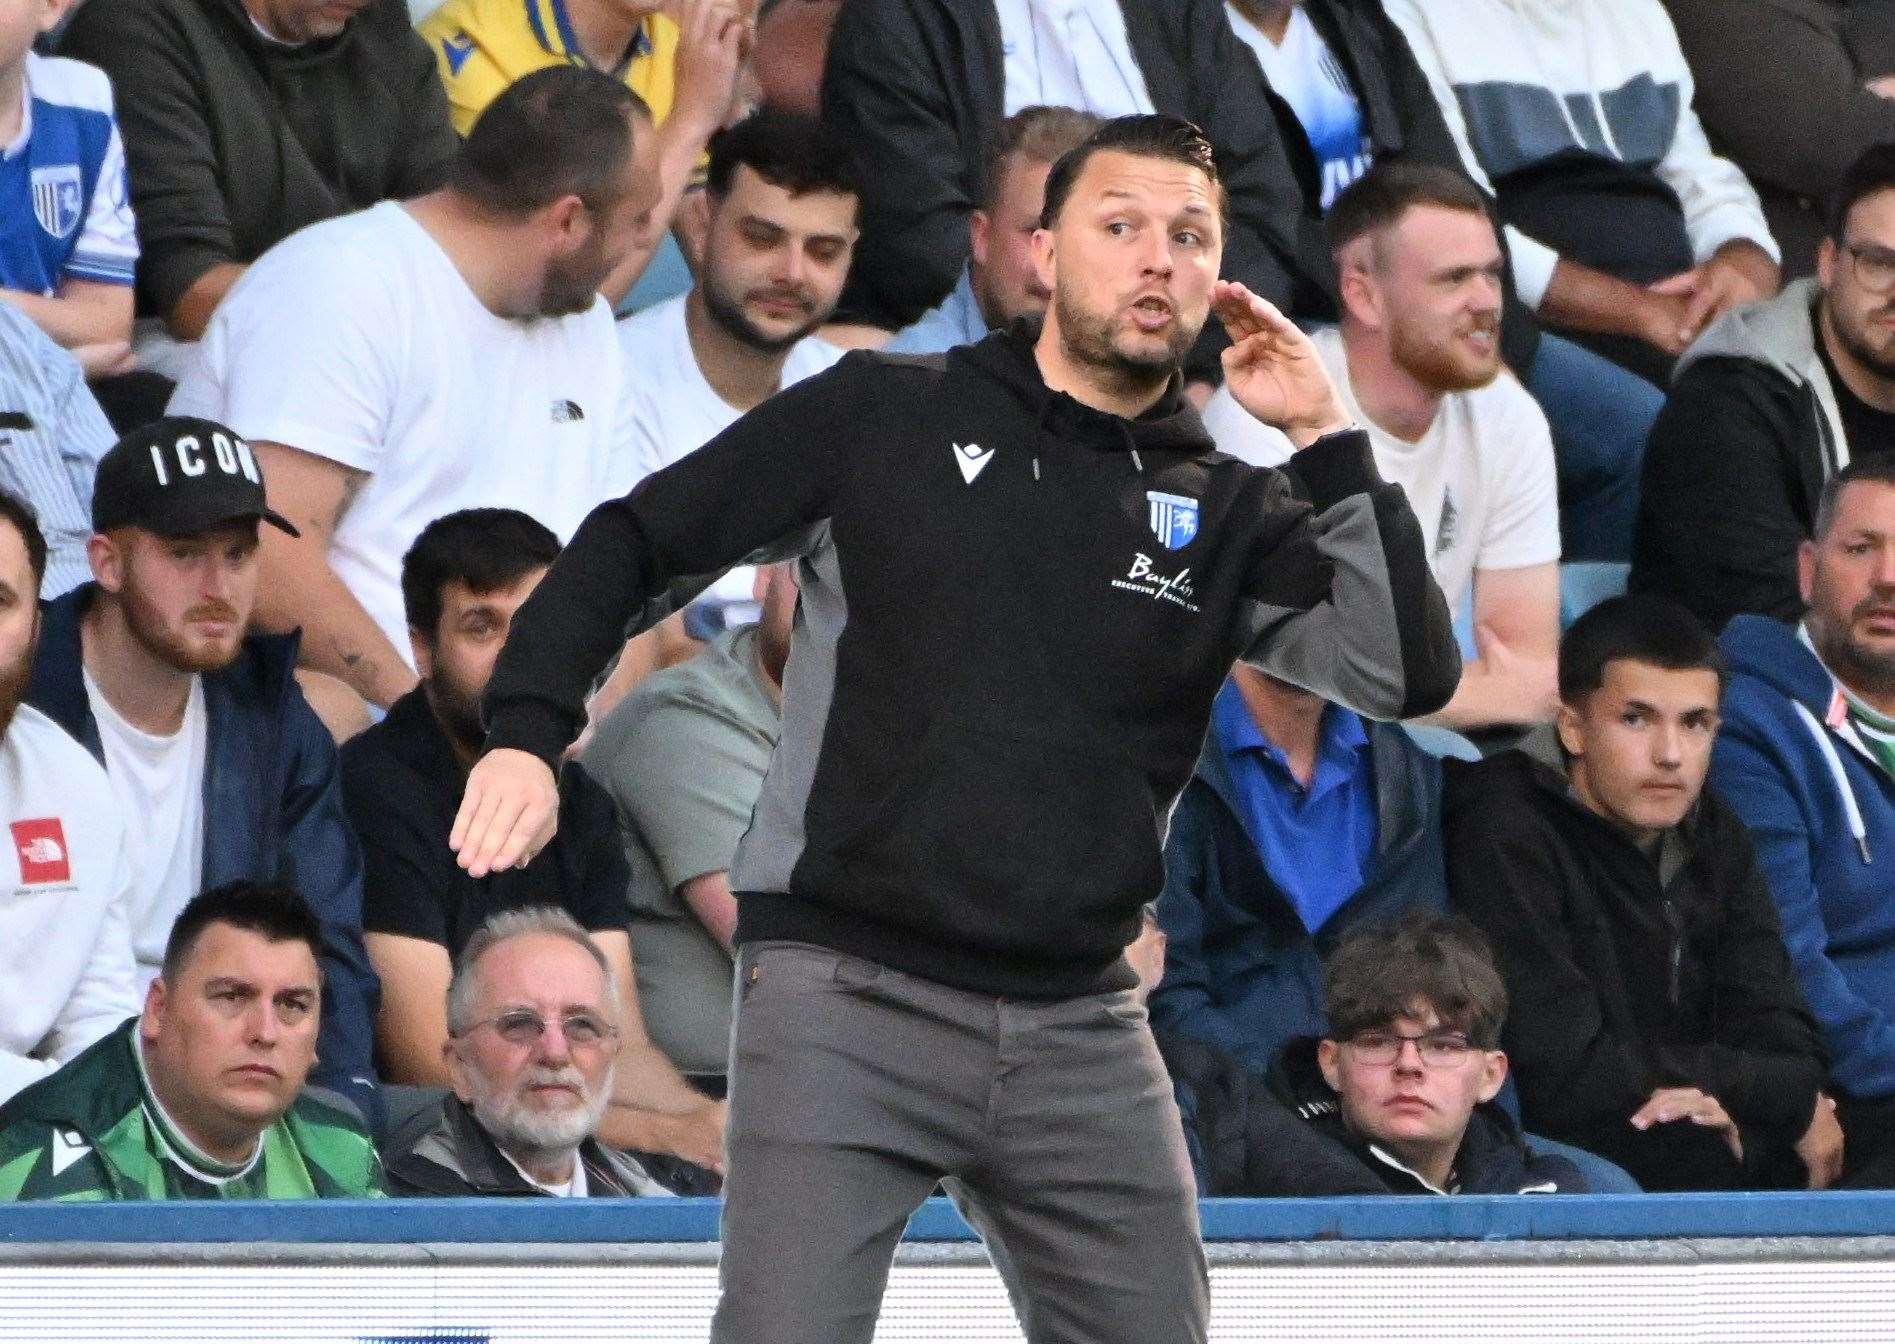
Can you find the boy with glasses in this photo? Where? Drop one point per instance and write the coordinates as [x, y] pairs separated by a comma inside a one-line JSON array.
[[1406, 1076], [1772, 401], [532, 1048]]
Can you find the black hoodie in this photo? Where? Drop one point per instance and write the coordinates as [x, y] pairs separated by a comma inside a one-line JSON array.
[[233, 142], [1623, 982], [1015, 613]]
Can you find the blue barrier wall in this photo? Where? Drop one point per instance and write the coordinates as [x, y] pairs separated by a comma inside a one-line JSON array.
[[1462, 1218]]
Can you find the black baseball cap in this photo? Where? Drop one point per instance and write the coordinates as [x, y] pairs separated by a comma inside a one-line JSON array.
[[180, 476]]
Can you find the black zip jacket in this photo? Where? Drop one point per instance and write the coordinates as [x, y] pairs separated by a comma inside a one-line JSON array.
[[1015, 613], [917, 88], [232, 142], [1493, 1158], [1622, 984]]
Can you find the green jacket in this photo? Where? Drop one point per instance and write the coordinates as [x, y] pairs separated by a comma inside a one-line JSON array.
[[92, 1131]]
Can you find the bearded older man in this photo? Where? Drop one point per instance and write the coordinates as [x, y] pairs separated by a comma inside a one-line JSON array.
[[533, 1034]]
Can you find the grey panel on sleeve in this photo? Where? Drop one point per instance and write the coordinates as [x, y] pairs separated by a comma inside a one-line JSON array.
[[1346, 648], [774, 844]]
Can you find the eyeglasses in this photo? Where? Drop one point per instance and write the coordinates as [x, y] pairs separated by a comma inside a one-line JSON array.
[[1874, 266], [1437, 1049], [523, 1026]]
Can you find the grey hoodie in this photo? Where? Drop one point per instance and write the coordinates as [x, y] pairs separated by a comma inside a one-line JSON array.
[[1780, 334]]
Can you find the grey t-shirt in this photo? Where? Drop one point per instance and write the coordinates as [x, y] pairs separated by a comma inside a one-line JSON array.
[[683, 756]]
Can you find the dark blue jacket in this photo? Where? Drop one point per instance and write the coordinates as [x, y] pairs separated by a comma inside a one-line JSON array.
[[272, 813], [1241, 971], [1822, 814]]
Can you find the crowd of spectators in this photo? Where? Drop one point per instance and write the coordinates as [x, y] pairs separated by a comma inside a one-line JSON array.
[[316, 347]]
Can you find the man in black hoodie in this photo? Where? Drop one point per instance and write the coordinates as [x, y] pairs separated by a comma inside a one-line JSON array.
[[244, 120], [1024, 574], [1655, 1019]]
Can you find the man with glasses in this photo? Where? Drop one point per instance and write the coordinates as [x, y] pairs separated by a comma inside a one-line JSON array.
[[462, 581], [1405, 1077], [533, 1041], [1655, 1019], [1772, 401]]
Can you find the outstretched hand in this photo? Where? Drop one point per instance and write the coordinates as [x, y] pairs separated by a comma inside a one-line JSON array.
[[508, 813], [1271, 368]]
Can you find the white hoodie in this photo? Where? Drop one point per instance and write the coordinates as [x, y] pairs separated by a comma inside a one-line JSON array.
[[1522, 80], [66, 971]]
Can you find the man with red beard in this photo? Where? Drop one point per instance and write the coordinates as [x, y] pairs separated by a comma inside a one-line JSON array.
[[1417, 361], [203, 731]]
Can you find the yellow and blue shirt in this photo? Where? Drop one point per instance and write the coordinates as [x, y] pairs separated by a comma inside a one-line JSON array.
[[482, 46]]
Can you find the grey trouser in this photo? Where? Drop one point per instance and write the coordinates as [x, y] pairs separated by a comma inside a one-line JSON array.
[[855, 1089]]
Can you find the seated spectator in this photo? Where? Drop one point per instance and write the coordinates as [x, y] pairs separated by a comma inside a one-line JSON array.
[[1421, 1121], [67, 242], [1792, 91], [246, 120], [52, 435], [533, 1034], [202, 1096], [682, 59], [462, 581], [683, 756], [1301, 823], [1769, 404], [772, 250], [921, 103], [1655, 1019], [1626, 232], [1807, 759], [66, 974], [202, 730], [1350, 93], [999, 284], [448, 352], [1417, 361]]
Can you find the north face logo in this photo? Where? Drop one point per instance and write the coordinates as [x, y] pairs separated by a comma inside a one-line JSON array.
[[41, 846]]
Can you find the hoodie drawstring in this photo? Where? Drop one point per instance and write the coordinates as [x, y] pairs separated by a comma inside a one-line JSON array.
[[1850, 807]]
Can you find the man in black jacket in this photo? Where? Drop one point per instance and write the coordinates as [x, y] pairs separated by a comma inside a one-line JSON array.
[[920, 87], [1772, 401], [1655, 1019], [1024, 575], [534, 1027], [244, 120]]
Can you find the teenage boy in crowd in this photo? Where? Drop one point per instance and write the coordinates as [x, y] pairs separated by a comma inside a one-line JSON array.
[[1655, 1019]]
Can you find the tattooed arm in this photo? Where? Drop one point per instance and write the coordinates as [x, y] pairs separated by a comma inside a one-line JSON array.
[[298, 587]]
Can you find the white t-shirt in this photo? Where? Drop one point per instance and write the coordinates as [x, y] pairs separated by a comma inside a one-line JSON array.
[[672, 409], [573, 1187], [1069, 53], [65, 903], [159, 780], [1304, 73], [357, 340], [1481, 480]]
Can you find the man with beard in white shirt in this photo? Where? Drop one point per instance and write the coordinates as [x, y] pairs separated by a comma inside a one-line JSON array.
[[771, 238], [65, 888], [421, 357], [1417, 362]]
